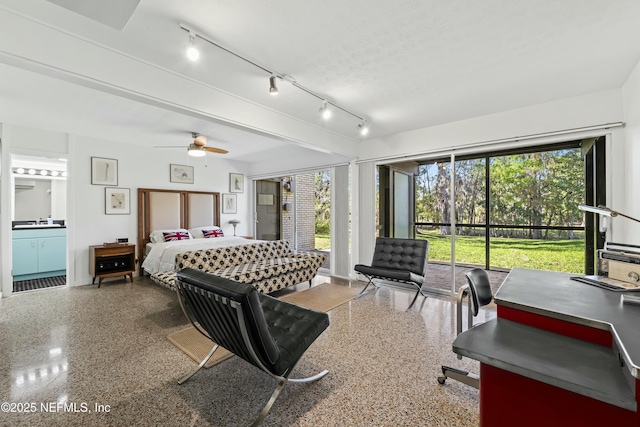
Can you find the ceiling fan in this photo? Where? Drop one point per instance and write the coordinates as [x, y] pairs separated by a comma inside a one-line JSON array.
[[198, 148]]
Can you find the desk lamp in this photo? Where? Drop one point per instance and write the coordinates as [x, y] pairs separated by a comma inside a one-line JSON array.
[[234, 222], [604, 211]]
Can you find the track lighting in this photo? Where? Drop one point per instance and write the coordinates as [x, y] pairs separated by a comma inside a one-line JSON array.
[[363, 127], [192, 51], [325, 111], [273, 89]]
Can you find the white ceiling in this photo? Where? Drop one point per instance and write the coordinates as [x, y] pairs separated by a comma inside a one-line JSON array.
[[403, 65]]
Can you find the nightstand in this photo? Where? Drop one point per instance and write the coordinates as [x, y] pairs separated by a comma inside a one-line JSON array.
[[112, 260]]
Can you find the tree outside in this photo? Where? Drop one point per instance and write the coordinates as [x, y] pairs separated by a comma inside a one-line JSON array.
[[323, 209], [528, 192]]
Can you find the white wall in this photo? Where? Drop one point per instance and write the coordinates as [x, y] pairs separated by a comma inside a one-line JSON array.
[[571, 113], [630, 202], [138, 167]]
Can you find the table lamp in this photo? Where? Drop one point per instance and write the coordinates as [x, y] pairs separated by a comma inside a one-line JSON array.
[[234, 222]]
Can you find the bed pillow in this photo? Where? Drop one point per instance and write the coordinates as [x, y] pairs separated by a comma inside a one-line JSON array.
[[196, 232], [171, 236], [157, 236], [216, 232]]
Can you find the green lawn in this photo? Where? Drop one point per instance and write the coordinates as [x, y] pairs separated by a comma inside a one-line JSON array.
[[554, 255], [323, 241]]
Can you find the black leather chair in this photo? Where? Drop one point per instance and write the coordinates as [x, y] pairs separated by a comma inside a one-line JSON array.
[[268, 333], [479, 294], [398, 260]]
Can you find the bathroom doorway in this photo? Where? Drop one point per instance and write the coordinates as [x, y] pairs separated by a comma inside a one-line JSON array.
[[38, 220]]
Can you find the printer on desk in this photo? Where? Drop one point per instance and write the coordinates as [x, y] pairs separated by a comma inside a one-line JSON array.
[[620, 261]]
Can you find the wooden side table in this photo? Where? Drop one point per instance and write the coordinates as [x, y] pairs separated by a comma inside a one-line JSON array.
[[112, 260]]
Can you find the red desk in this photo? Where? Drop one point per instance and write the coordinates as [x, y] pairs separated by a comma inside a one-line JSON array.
[[560, 353]]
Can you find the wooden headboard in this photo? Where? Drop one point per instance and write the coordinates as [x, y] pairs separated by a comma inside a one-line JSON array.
[[160, 209]]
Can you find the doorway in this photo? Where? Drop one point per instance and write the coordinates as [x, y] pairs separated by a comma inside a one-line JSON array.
[[268, 209], [38, 220]]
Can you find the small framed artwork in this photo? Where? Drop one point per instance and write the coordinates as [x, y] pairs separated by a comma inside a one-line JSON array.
[[181, 173], [236, 183], [104, 171], [229, 203], [116, 201]]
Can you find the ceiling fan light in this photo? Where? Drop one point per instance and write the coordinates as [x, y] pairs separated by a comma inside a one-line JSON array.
[[273, 89], [196, 152], [325, 111], [192, 51]]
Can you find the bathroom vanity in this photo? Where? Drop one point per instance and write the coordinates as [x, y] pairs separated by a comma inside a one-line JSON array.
[[39, 250]]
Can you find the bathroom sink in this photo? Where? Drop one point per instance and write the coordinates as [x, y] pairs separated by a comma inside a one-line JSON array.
[[36, 225]]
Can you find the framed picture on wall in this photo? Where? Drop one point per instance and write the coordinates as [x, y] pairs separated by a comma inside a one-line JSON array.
[[181, 173], [116, 201], [236, 183], [104, 171], [229, 203]]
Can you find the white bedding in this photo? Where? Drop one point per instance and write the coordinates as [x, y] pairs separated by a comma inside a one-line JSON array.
[[162, 255]]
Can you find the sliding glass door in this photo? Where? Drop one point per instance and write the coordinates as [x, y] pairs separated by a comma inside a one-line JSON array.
[[515, 208]]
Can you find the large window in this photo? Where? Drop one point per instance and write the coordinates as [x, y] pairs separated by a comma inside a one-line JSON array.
[[512, 209]]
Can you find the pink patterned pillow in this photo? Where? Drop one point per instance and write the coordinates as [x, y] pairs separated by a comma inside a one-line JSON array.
[[175, 235], [212, 233]]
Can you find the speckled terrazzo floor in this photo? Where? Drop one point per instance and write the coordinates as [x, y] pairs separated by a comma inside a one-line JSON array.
[[108, 346]]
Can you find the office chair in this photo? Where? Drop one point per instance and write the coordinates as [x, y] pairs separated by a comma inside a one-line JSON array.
[[479, 292]]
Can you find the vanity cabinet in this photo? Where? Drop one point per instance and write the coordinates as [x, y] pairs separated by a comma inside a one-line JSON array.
[[39, 253]]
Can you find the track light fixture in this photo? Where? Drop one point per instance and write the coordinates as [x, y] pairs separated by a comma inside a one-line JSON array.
[[325, 111], [192, 51], [363, 128], [327, 106], [273, 89]]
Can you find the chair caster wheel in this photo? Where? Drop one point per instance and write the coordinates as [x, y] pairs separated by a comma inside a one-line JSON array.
[[441, 380]]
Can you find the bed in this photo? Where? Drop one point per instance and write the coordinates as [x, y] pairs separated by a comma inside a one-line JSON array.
[[161, 256], [163, 209], [189, 218]]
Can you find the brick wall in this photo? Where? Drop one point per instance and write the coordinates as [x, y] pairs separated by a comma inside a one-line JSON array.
[[303, 204]]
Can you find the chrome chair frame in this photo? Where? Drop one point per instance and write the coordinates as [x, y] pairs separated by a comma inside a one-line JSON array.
[[237, 307], [386, 271]]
